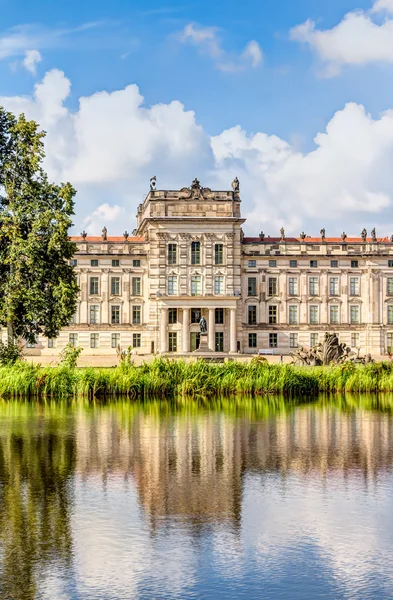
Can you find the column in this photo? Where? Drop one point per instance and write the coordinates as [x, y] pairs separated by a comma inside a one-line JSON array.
[[163, 330], [186, 329], [210, 324], [232, 330]]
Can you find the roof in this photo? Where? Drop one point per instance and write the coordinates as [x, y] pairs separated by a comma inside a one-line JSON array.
[[311, 240], [98, 238]]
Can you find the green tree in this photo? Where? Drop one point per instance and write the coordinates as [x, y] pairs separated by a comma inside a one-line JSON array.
[[38, 288]]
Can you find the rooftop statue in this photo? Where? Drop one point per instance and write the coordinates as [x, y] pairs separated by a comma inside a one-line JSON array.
[[282, 233], [83, 235], [323, 234], [343, 236], [236, 185], [373, 235], [104, 234], [261, 236], [364, 235], [153, 183]]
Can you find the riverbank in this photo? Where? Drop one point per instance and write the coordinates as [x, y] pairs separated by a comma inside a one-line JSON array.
[[164, 378]]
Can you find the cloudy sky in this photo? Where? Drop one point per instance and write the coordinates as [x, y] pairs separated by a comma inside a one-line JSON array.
[[293, 98]]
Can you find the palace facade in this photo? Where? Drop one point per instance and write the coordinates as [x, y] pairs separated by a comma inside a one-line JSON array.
[[188, 257]]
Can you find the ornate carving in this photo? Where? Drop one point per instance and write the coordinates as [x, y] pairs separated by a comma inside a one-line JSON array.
[[373, 235], [261, 236], [126, 235], [302, 236], [153, 183], [328, 352], [195, 191], [364, 235], [104, 234]]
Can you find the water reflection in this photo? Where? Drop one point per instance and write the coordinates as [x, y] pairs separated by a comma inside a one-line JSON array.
[[165, 501]]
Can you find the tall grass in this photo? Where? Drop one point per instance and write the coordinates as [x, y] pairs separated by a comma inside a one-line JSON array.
[[165, 378]]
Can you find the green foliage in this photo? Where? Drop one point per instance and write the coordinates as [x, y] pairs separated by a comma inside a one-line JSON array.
[[69, 356], [10, 352], [38, 290], [124, 356]]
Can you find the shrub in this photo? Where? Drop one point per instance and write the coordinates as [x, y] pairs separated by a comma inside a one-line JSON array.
[[69, 356], [10, 352]]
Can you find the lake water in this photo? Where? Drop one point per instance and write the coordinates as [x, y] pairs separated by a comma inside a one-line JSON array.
[[239, 500]]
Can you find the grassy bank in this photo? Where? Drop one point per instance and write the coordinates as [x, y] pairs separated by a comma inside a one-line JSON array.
[[170, 378]]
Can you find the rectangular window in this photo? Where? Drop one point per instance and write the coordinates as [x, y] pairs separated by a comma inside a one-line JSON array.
[[272, 263], [115, 262], [136, 262], [272, 286], [389, 288], [94, 340], [94, 262], [94, 314], [136, 286], [252, 263], [293, 311], [195, 253], [115, 314], [389, 343], [51, 343], [355, 340], [313, 264], [136, 315], [93, 286], [354, 286], [219, 284], [293, 340], [272, 314], [390, 263], [355, 314], [252, 286], [314, 315], [390, 314], [293, 264], [115, 286], [219, 341], [196, 315], [314, 286], [334, 264], [252, 340], [219, 316], [136, 340], [196, 285], [172, 254], [273, 340], [292, 286], [252, 315], [73, 339], [313, 339], [172, 285], [219, 254], [334, 319], [115, 340], [333, 286], [73, 262], [172, 341], [172, 316], [354, 264]]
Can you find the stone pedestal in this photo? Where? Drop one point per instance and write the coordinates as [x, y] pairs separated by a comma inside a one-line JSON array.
[[203, 345]]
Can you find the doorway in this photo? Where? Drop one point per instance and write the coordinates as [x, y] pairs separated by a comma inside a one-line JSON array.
[[195, 340]]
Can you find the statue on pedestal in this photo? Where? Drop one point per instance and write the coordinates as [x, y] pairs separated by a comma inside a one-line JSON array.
[[203, 325]]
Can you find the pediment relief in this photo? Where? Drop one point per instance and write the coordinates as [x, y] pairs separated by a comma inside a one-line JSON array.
[[116, 300], [356, 300], [273, 301], [294, 301], [335, 301], [94, 300], [314, 300]]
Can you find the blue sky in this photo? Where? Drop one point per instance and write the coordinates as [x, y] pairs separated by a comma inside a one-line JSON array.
[[197, 53]]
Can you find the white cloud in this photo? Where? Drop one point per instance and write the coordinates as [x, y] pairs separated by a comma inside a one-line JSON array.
[[112, 144], [207, 40], [32, 58], [356, 40]]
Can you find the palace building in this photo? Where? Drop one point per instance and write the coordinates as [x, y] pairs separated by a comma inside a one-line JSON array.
[[188, 258]]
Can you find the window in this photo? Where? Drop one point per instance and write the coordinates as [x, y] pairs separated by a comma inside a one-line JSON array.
[[219, 254], [94, 340], [314, 286], [115, 340], [293, 264], [313, 263], [252, 315], [51, 343], [272, 314], [390, 343], [355, 340], [73, 262], [273, 342], [354, 286], [252, 263], [195, 253], [172, 285], [172, 316], [272, 286], [355, 314], [136, 315], [390, 314], [115, 262], [196, 315], [293, 311], [333, 286], [313, 339], [334, 264], [354, 264], [115, 314], [93, 286], [314, 315], [136, 286], [390, 286], [219, 341], [334, 319], [136, 262], [172, 254], [196, 285], [293, 286], [252, 340], [73, 339], [219, 284], [94, 314], [252, 286], [172, 341], [94, 262], [136, 340], [115, 286], [272, 263], [293, 340], [219, 316]]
